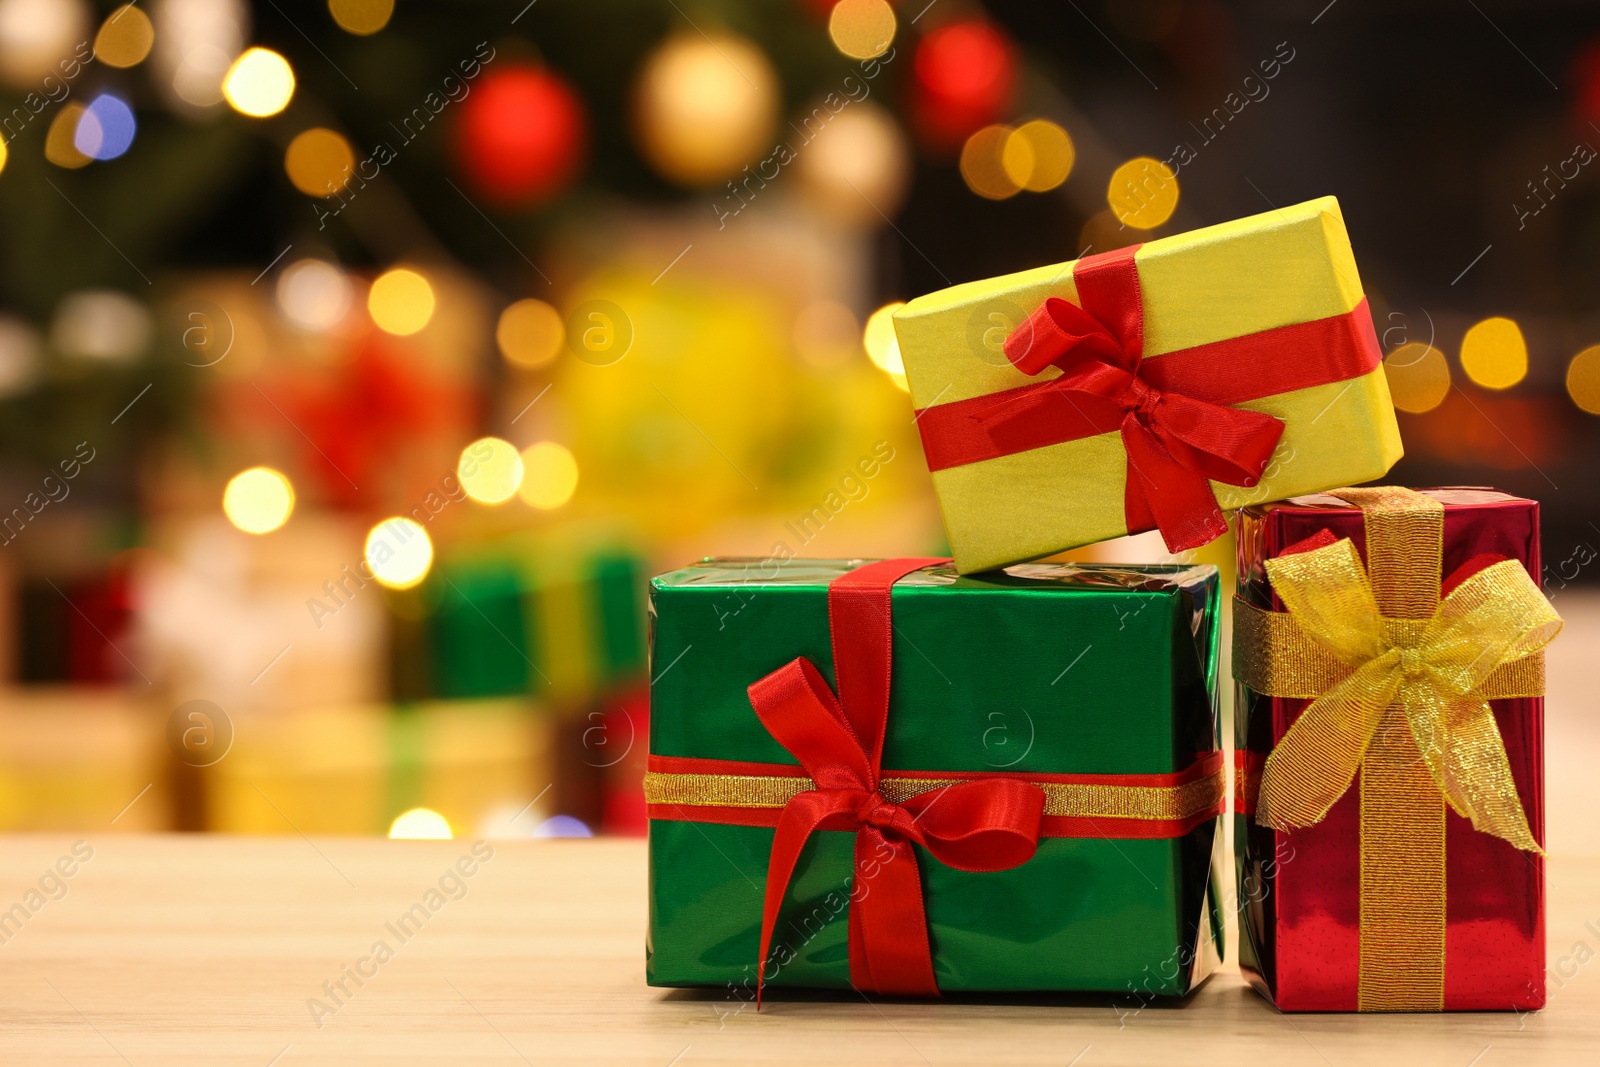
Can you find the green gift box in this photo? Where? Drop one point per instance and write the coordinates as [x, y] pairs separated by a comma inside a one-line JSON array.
[[1017, 788]]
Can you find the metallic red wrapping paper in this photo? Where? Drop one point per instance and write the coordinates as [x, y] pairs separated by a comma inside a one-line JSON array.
[[1300, 891]]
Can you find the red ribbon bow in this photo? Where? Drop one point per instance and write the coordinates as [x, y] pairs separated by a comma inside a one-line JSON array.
[[1175, 442], [986, 825]]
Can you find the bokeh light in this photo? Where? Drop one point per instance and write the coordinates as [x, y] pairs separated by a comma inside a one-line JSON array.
[[1143, 193], [490, 469], [1419, 376], [196, 41], [21, 355], [983, 166], [259, 83], [522, 136], [883, 347], [60, 141], [125, 37], [562, 826], [35, 35], [1038, 156], [319, 162], [1102, 232], [104, 325], [400, 301], [5, 154], [966, 71], [549, 475], [826, 333], [420, 824], [862, 29], [399, 552], [858, 168], [705, 107], [361, 17], [105, 129], [530, 333], [314, 294], [1494, 354], [1583, 379], [258, 500]]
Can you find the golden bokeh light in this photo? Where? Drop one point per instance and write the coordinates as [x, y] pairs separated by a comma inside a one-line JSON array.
[[319, 162], [1494, 355], [258, 500], [1583, 379], [862, 29], [490, 470], [1143, 193], [259, 83], [530, 333], [1102, 232], [60, 140], [1419, 377], [883, 347], [983, 165], [420, 824], [399, 552], [858, 169], [705, 107], [549, 475], [361, 17], [826, 333], [125, 38], [314, 294], [5, 154], [400, 301], [1038, 156]]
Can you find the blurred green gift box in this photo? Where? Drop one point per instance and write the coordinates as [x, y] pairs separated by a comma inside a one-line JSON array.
[[563, 624]]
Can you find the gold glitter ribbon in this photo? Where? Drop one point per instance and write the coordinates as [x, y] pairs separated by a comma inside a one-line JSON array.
[[1401, 681], [1174, 802]]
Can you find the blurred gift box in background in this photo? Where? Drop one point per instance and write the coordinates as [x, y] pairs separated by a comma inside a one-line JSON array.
[[359, 361]]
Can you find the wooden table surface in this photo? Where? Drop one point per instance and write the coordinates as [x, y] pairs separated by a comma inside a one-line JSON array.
[[205, 950], [211, 950]]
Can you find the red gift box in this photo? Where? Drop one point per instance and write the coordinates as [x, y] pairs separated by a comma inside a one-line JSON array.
[[1459, 922]]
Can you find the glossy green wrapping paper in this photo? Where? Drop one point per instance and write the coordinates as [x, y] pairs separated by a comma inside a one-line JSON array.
[[1043, 668]]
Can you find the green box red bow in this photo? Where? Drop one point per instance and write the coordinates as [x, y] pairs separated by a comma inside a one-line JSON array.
[[888, 776]]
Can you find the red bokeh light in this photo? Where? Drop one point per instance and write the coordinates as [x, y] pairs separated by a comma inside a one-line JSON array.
[[522, 136], [965, 74]]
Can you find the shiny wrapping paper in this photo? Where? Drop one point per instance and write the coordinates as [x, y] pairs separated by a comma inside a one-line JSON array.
[[1300, 892], [1283, 269], [1046, 669]]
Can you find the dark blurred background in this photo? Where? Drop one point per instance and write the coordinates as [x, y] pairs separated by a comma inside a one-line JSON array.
[[359, 360]]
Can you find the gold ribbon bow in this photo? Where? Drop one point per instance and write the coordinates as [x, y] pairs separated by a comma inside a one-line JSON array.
[[1436, 670], [1399, 680]]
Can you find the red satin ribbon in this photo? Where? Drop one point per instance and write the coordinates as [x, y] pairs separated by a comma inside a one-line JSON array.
[[984, 825], [1174, 411]]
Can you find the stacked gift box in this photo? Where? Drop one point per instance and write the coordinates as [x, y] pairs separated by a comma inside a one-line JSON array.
[[499, 665], [518, 665], [559, 623], [916, 775]]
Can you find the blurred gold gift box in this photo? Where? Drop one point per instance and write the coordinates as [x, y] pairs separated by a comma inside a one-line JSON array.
[[82, 757], [352, 770]]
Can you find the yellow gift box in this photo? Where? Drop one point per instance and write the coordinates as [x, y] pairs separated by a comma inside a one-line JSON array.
[[353, 769], [1242, 309]]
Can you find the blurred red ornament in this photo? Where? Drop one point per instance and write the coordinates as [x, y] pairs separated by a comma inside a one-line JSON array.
[[522, 136], [965, 73], [1585, 71]]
